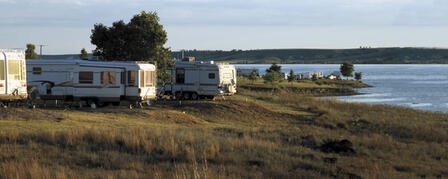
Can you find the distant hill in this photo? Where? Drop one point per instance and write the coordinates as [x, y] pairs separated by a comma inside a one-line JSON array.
[[313, 56], [319, 56]]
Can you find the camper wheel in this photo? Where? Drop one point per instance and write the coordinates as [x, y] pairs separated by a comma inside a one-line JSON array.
[[194, 96], [187, 96], [178, 95], [92, 104]]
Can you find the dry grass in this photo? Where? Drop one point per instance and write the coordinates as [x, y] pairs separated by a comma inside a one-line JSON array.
[[254, 134]]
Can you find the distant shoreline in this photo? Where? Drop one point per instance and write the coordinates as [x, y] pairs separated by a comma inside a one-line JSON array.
[[390, 55]]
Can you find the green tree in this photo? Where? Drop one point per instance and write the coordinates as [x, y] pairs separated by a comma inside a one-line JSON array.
[[347, 69], [84, 55], [292, 76], [271, 78], [358, 76], [274, 68], [314, 77], [253, 76], [30, 53], [142, 39]]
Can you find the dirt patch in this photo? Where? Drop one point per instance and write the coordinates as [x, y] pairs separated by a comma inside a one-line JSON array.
[[17, 114], [235, 110], [174, 116]]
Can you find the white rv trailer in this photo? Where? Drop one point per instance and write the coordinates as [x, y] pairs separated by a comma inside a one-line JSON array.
[[193, 80], [12, 75], [95, 82]]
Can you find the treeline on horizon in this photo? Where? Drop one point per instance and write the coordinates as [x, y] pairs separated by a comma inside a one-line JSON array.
[[324, 56], [312, 56]]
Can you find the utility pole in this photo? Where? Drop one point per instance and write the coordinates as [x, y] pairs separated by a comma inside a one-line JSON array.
[[40, 56]]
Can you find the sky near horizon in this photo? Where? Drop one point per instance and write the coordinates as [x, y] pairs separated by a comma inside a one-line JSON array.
[[65, 25]]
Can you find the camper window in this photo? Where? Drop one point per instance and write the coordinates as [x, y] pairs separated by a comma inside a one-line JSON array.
[[86, 77], [37, 70], [2, 69], [14, 69], [131, 78], [148, 78], [211, 75], [180, 76], [108, 78]]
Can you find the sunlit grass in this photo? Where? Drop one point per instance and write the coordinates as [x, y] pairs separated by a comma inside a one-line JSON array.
[[254, 134]]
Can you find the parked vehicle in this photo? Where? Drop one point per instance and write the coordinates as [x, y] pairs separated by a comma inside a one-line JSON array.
[[12, 76], [309, 75], [94, 82], [194, 80]]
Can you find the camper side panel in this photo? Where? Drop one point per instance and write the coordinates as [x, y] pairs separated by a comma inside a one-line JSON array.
[[209, 81], [102, 84]]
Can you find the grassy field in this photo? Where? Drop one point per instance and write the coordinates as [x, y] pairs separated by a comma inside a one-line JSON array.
[[254, 134], [318, 87]]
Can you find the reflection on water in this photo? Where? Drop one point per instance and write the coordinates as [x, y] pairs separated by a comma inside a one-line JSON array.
[[417, 86]]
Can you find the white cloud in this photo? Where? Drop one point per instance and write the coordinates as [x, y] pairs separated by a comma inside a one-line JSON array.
[[253, 14]]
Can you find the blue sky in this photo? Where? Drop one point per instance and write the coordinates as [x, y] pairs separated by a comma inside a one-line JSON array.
[[65, 25]]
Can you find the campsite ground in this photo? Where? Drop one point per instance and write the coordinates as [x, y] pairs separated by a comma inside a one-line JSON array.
[[255, 134]]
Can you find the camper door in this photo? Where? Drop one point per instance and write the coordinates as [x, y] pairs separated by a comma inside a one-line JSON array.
[[14, 76]]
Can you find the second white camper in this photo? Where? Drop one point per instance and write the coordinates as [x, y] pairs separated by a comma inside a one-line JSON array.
[[92, 81], [193, 80]]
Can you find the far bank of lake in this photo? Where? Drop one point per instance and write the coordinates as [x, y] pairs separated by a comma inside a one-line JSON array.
[[417, 86]]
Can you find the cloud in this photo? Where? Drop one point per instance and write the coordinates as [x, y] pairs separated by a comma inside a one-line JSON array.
[[231, 12]]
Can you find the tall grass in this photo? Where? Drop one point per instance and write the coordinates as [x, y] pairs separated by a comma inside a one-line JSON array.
[[256, 134]]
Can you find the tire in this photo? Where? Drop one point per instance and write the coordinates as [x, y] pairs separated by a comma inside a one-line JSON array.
[[92, 104], [194, 96], [187, 96], [178, 95]]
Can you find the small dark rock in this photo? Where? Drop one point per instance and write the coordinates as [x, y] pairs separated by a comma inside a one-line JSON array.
[[329, 126], [308, 156], [341, 125], [308, 141], [402, 169], [330, 160], [255, 163], [337, 146]]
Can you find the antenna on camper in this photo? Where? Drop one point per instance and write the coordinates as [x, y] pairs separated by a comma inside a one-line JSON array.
[[40, 56]]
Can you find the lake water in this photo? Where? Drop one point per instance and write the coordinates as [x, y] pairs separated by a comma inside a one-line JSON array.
[[423, 87]]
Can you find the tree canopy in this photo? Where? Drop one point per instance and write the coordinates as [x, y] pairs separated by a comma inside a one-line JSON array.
[[358, 76], [84, 55], [30, 53], [347, 69], [291, 76], [272, 78], [253, 76], [142, 39], [274, 68]]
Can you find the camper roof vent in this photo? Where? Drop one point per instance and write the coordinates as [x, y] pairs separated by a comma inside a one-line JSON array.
[[188, 59]]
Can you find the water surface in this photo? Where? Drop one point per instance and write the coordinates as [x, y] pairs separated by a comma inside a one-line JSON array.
[[421, 87]]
